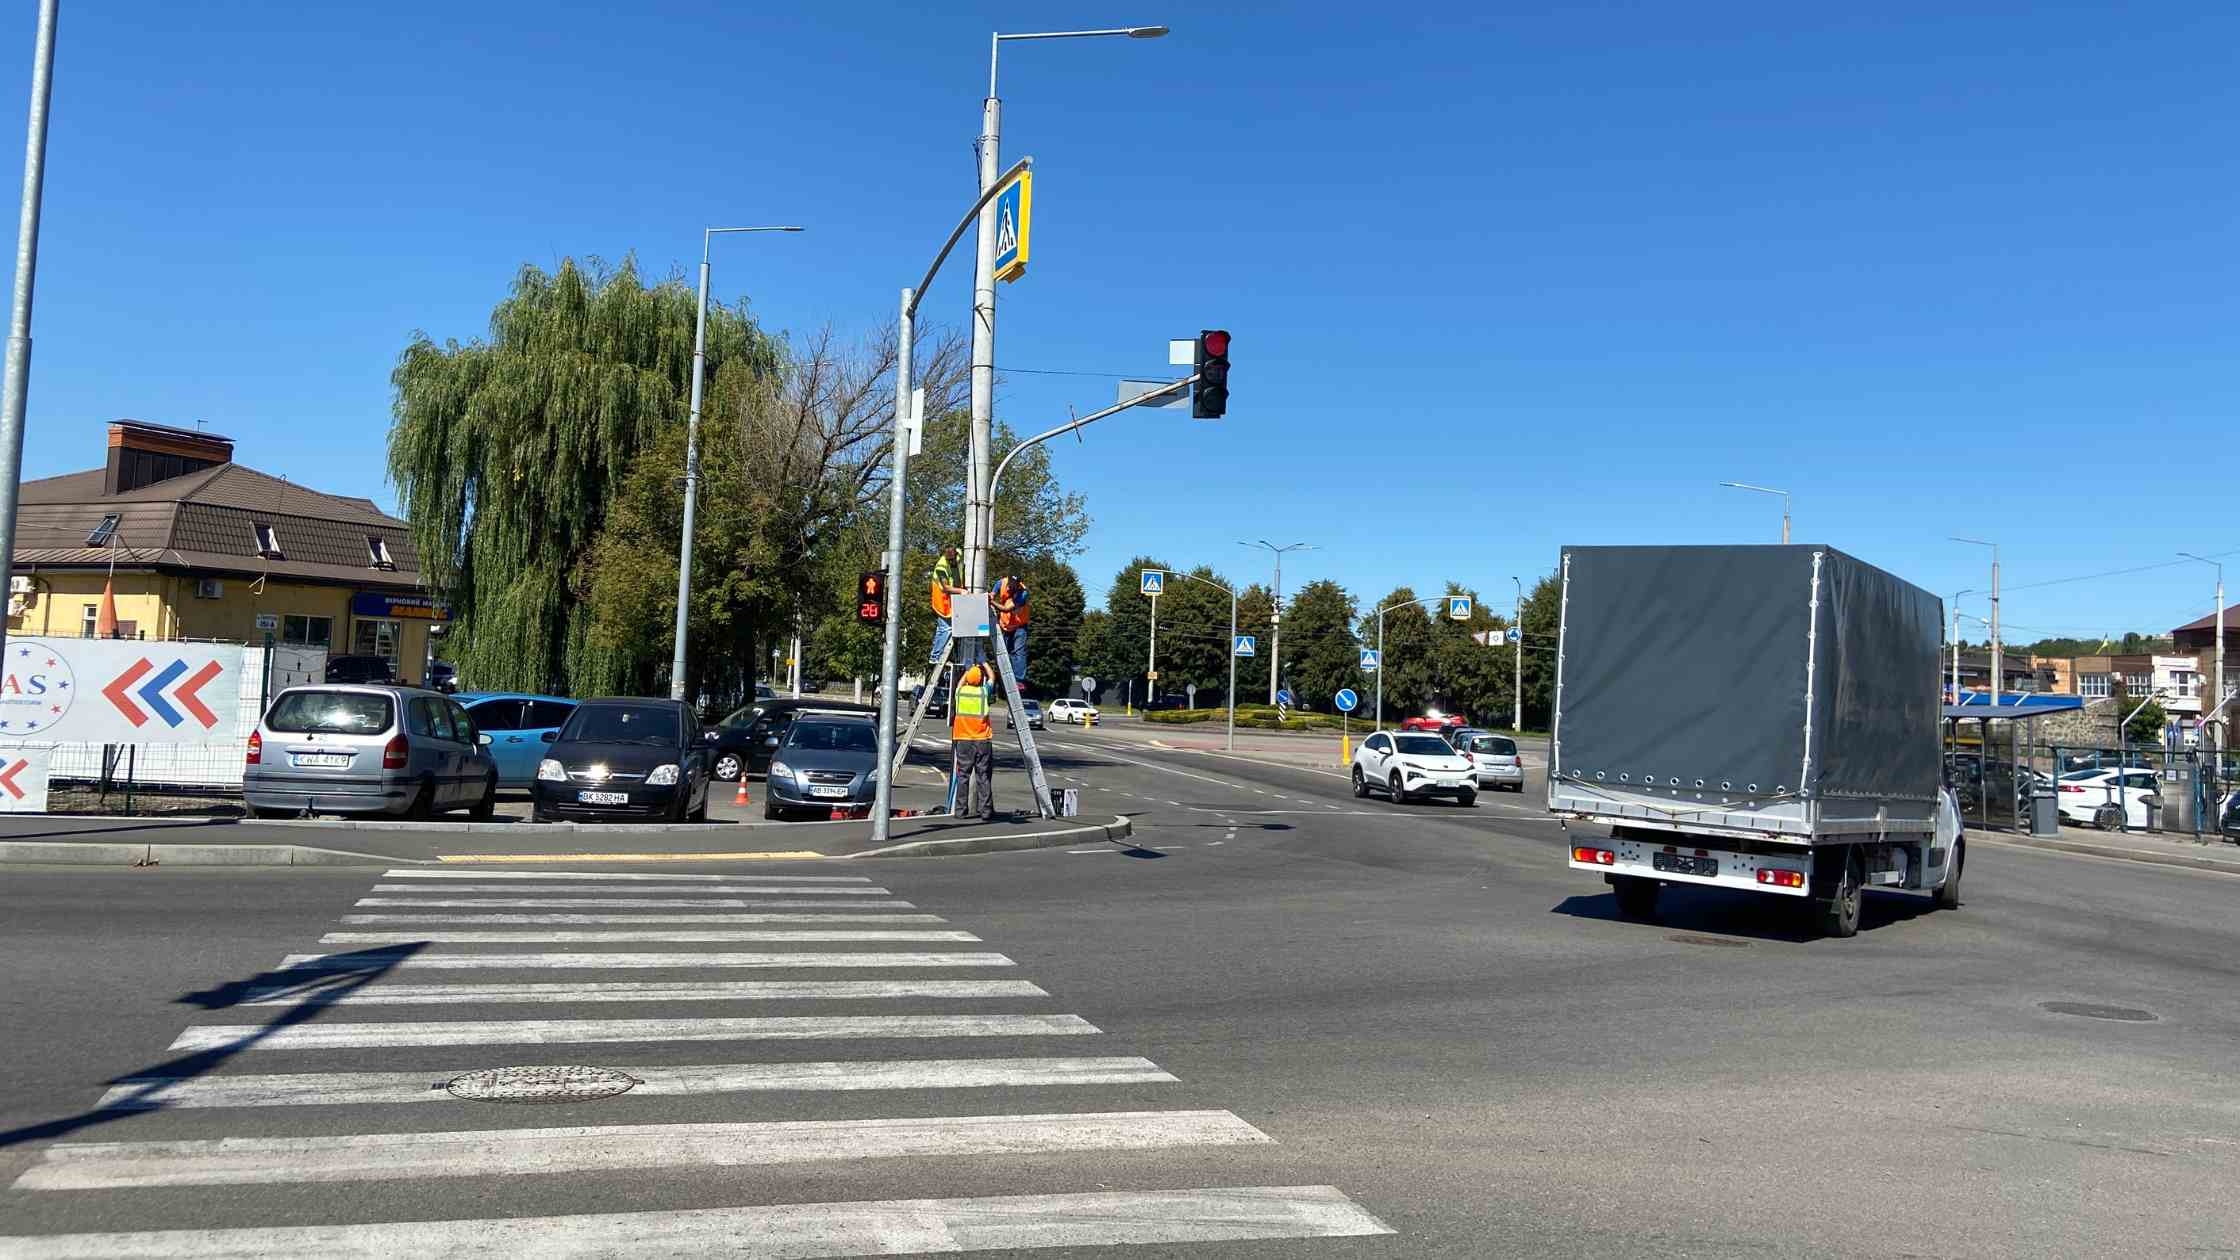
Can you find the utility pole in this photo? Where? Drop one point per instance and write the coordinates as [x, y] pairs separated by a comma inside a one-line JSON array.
[[2216, 684], [1998, 661], [1516, 636], [1275, 620], [1956, 642], [16, 391]]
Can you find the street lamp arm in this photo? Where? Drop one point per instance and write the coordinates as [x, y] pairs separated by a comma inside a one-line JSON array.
[[1069, 426], [1435, 599], [970, 219]]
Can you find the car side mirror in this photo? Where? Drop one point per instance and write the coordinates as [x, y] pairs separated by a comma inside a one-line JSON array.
[[482, 738], [550, 737], [771, 742]]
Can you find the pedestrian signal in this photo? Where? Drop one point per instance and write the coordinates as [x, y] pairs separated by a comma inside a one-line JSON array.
[[871, 597]]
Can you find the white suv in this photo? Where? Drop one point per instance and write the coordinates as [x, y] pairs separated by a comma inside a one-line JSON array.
[[1070, 710], [1409, 764]]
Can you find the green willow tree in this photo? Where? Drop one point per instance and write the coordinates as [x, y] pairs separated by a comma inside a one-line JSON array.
[[507, 452]]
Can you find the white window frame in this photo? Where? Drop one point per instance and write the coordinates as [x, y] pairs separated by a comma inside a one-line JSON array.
[[377, 552], [2095, 686], [268, 541]]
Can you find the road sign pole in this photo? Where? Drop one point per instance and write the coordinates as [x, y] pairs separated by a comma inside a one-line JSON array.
[[15, 391], [1232, 744], [1151, 670], [891, 647], [1379, 720]]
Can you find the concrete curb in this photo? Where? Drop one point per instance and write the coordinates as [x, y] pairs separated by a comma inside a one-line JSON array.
[[97, 853], [1120, 828], [2147, 858]]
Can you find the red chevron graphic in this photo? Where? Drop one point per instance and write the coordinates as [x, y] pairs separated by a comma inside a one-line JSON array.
[[115, 691], [8, 778], [185, 693]]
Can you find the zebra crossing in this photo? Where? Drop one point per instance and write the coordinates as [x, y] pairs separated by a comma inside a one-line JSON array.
[[439, 976]]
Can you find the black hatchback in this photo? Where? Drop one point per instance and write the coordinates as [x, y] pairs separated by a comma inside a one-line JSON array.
[[746, 737], [625, 760]]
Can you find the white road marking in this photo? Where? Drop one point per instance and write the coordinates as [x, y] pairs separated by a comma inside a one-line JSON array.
[[711, 936], [703, 917], [799, 1231], [1093, 850], [600, 1148], [536, 1032], [621, 877], [360, 963], [744, 884], [320, 1089], [649, 903], [636, 991]]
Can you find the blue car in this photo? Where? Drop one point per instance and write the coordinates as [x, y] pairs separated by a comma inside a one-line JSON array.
[[517, 725]]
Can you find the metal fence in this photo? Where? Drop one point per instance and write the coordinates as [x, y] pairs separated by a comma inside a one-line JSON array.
[[1995, 785]]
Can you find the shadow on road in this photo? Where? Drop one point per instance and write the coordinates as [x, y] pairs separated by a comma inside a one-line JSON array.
[[1716, 913], [334, 977]]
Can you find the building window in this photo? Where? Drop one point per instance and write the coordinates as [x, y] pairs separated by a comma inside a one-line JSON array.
[[377, 638], [2184, 682], [93, 616], [105, 531], [2094, 686], [377, 552], [304, 631], [268, 542], [2138, 685]]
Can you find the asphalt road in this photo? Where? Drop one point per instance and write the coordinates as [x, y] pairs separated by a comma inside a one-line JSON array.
[[1374, 1018]]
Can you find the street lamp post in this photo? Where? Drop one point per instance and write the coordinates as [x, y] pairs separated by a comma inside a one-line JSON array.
[[16, 389], [692, 457], [1275, 619], [1744, 485], [1956, 642], [1383, 664], [1232, 593], [984, 301], [1516, 635], [1998, 660], [2216, 683]]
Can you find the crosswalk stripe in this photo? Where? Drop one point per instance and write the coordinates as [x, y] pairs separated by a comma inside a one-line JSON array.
[[358, 963], [622, 877], [710, 936], [512, 1032], [642, 991], [649, 903], [702, 917], [340, 1088], [742, 884], [599, 1148], [792, 1231]]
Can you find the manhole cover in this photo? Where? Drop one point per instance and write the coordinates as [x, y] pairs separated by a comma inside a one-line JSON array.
[[1714, 941], [2094, 1010], [541, 1084]]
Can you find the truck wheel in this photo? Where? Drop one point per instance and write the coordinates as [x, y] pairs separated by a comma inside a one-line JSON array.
[[1948, 897], [1637, 897], [1360, 785], [1839, 910]]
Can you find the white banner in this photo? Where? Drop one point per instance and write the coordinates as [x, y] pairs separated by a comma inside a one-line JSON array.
[[120, 691], [23, 780]]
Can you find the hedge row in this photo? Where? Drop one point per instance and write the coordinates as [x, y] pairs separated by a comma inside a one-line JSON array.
[[1252, 717]]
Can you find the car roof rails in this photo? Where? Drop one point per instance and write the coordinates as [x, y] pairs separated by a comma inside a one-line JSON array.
[[798, 714]]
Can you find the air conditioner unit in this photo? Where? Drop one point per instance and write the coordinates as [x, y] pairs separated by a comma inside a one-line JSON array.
[[209, 588], [18, 584]]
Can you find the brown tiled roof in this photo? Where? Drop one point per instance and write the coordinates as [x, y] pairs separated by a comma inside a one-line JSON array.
[[2208, 621], [206, 521]]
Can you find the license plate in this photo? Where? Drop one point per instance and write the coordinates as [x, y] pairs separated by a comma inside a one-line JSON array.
[[828, 791], [603, 798], [1684, 864], [323, 759]]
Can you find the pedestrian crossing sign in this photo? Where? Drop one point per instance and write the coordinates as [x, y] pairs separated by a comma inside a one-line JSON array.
[[1014, 211], [1458, 607], [1154, 582], [1247, 645], [1369, 660]]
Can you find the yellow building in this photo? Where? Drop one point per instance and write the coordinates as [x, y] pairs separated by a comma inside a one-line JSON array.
[[203, 548]]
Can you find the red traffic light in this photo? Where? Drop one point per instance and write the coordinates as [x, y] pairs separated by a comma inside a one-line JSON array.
[[1216, 341]]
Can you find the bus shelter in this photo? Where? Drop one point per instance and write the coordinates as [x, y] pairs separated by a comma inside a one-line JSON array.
[[1987, 761]]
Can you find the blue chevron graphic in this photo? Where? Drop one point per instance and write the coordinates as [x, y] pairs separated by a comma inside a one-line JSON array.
[[152, 692]]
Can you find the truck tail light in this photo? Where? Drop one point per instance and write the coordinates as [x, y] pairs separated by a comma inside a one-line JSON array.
[[1782, 879], [256, 748], [1593, 857], [396, 753]]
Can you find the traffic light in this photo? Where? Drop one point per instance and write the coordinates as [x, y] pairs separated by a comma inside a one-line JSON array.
[[1211, 399], [871, 597]]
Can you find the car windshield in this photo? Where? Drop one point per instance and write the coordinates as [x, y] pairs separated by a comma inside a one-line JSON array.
[[1424, 746], [833, 737], [1495, 745], [331, 713], [742, 717], [622, 724]]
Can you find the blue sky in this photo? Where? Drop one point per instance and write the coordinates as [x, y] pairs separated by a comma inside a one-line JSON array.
[[1501, 277]]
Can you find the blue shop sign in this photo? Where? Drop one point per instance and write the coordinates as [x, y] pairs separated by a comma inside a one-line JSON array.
[[399, 607]]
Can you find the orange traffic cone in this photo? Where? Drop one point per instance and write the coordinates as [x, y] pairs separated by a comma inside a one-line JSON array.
[[741, 798]]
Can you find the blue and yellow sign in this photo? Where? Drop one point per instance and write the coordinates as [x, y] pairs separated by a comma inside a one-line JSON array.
[[1014, 208]]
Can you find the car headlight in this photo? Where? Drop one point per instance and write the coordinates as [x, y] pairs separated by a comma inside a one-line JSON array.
[[780, 770], [550, 771], [662, 776]]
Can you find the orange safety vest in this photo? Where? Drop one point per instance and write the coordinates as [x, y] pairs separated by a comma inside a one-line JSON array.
[[1011, 605], [970, 708], [940, 598]]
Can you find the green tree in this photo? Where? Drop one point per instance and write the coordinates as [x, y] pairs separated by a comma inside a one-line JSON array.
[[1409, 665], [1320, 653], [1055, 602], [1095, 649], [507, 452], [1542, 618], [1255, 604], [2145, 726]]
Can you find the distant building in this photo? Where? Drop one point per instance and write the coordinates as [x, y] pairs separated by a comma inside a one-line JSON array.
[[204, 548]]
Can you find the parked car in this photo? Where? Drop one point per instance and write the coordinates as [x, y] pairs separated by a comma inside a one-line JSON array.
[[828, 757], [2108, 798], [367, 750], [1032, 708], [1495, 760], [516, 725], [1407, 764], [1460, 736], [1161, 704], [2230, 825], [443, 676], [747, 736], [369, 670], [1068, 709], [625, 759], [940, 706], [1434, 721]]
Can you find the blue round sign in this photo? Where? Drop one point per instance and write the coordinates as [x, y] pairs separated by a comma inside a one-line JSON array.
[[1346, 700], [1283, 697]]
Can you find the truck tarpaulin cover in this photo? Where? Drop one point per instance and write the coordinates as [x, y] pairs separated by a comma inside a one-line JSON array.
[[1695, 663]]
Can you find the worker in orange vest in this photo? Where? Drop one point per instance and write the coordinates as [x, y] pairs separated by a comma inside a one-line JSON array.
[[944, 586], [1011, 625], [972, 743]]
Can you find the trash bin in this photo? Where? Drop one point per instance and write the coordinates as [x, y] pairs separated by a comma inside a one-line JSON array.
[[2045, 813]]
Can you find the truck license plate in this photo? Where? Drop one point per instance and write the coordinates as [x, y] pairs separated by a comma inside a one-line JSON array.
[[603, 798], [1684, 864]]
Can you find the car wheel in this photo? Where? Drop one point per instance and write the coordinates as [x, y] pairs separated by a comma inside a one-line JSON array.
[[486, 808], [2107, 817], [700, 813], [1360, 783], [1399, 794], [770, 809], [1948, 897], [1468, 798], [423, 804], [728, 767]]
